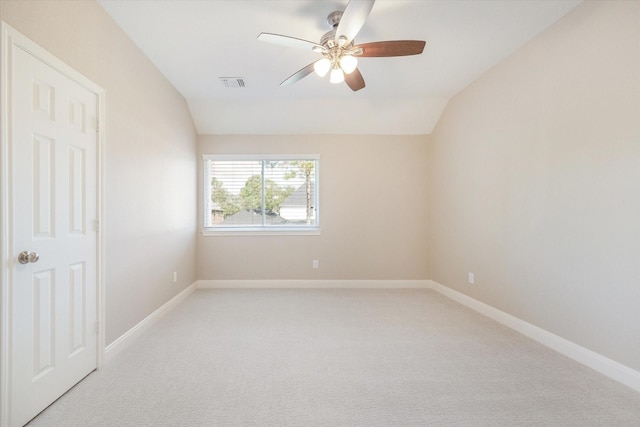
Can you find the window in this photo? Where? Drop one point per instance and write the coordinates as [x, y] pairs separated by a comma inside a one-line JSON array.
[[261, 193]]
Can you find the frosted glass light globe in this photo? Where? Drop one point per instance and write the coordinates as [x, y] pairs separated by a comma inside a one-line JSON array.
[[348, 63], [337, 76], [322, 67]]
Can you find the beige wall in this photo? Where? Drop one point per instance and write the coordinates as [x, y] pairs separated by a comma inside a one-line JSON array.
[[535, 183], [373, 212], [150, 156]]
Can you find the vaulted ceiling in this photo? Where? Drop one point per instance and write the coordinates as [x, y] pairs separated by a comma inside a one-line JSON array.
[[194, 43]]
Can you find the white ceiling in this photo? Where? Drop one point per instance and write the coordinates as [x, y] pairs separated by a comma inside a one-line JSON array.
[[194, 42]]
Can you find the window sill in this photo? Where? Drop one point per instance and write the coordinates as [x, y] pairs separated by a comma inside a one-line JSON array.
[[254, 231]]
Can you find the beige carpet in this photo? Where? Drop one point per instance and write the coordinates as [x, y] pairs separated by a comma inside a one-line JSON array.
[[339, 358]]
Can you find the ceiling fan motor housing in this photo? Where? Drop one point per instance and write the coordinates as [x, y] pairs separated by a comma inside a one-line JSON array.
[[328, 39]]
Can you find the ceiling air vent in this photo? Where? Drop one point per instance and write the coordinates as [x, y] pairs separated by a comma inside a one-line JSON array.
[[232, 82]]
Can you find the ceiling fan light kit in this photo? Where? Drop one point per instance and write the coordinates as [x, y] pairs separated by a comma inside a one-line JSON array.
[[338, 49], [336, 59]]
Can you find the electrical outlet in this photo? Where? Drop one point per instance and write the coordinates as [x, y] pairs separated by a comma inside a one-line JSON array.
[[175, 277], [315, 264], [472, 278]]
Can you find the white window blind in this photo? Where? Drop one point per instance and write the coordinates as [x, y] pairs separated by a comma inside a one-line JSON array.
[[256, 193]]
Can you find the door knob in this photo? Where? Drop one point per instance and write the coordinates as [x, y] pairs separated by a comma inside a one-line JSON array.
[[25, 257]]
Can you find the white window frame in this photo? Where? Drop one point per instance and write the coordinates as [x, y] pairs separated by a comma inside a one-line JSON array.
[[263, 229]]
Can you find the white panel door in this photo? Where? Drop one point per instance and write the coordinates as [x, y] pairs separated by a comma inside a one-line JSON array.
[[53, 215]]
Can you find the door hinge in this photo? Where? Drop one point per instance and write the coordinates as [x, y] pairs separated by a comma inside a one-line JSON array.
[[96, 225], [96, 326]]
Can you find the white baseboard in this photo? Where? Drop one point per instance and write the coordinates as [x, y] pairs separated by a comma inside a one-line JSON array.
[[595, 361], [313, 284], [132, 334]]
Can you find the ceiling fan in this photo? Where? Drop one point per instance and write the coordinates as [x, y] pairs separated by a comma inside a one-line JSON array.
[[338, 49]]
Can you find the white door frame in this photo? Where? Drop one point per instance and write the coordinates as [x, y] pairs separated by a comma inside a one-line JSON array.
[[12, 39]]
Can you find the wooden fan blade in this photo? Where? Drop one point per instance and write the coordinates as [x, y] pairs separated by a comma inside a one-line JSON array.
[[298, 75], [354, 80], [392, 48], [353, 18], [288, 41]]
